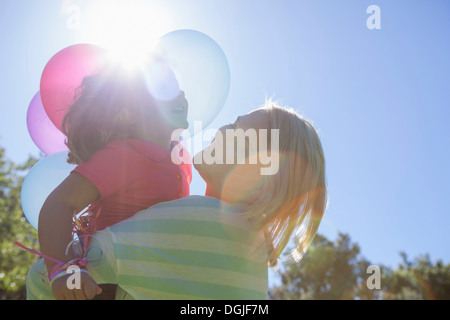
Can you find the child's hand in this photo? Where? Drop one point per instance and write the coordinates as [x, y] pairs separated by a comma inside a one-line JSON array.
[[88, 288]]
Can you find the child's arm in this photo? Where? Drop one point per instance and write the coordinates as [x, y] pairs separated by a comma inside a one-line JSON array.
[[55, 219]]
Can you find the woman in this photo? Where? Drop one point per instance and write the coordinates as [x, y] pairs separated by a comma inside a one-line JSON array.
[[278, 204], [218, 246]]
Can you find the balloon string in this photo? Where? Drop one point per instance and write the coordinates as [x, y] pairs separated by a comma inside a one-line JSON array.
[[79, 226], [60, 266], [37, 253], [85, 222], [79, 261], [83, 226]]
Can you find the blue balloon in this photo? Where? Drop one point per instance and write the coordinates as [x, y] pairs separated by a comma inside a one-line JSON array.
[[196, 65], [43, 178]]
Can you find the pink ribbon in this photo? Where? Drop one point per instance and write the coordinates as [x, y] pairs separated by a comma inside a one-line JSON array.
[[60, 266], [84, 226], [37, 253]]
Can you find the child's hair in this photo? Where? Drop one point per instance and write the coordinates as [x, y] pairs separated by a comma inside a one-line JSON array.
[[107, 107], [295, 198]]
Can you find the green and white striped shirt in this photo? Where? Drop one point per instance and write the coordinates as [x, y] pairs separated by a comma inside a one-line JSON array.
[[191, 248]]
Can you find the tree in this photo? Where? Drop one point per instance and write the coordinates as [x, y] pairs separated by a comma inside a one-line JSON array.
[[339, 271], [328, 271], [418, 279], [14, 261]]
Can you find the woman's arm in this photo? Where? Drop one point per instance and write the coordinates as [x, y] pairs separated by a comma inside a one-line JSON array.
[[55, 219]]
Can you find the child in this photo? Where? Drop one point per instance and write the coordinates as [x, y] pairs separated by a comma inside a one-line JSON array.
[[119, 136]]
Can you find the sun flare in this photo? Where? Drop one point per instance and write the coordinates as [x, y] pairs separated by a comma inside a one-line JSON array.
[[128, 30]]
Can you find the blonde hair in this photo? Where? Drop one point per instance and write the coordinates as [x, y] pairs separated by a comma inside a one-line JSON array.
[[295, 198]]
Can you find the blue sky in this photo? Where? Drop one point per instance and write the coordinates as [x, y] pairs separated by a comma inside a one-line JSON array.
[[379, 98]]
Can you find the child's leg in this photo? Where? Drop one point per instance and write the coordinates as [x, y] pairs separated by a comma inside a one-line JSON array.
[[36, 288]]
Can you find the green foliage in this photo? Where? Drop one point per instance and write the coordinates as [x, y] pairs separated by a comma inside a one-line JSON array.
[[328, 271], [14, 261], [419, 279], [339, 271]]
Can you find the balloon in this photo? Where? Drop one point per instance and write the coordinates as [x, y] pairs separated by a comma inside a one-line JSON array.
[[161, 80], [201, 70], [42, 179], [42, 131], [64, 73]]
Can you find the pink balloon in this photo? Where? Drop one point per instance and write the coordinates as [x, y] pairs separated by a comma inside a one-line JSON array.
[[42, 131], [64, 73]]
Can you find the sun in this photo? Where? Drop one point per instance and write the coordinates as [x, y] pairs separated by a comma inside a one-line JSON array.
[[128, 30]]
